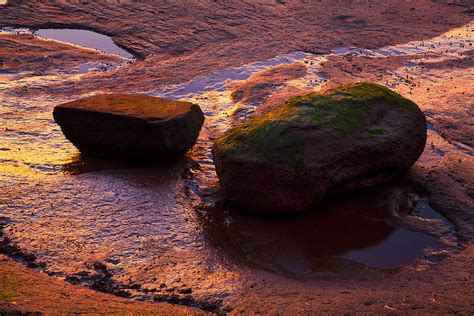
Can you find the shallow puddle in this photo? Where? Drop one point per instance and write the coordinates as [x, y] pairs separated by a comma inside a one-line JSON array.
[[452, 44], [218, 81], [362, 227], [84, 38]]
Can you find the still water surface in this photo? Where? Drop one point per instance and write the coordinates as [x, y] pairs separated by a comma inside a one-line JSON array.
[[84, 38]]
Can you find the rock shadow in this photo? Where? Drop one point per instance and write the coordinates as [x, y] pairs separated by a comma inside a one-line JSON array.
[[80, 163]]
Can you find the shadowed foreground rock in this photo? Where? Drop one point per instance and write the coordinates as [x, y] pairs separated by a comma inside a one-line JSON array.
[[349, 137], [130, 127]]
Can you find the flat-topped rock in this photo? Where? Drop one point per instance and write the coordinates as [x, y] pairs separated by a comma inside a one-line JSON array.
[[130, 126], [349, 137]]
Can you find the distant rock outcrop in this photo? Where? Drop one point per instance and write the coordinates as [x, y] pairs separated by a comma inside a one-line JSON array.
[[130, 127], [349, 137]]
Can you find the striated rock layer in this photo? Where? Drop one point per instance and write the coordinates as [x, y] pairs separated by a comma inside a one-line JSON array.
[[349, 137], [130, 127]]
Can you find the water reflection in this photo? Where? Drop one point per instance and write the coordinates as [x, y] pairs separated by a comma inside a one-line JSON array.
[[359, 227], [79, 163], [84, 38]]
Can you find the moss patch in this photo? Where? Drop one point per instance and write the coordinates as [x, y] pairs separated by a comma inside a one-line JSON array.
[[8, 287], [340, 114], [374, 132], [266, 134], [8, 295], [371, 93], [341, 109]]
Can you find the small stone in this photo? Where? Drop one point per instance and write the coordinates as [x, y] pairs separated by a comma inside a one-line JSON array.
[[187, 290]]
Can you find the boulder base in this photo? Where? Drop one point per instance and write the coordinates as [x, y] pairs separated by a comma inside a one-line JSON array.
[[130, 127], [352, 136]]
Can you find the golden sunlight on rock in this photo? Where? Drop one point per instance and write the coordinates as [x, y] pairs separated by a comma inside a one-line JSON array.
[[359, 115]]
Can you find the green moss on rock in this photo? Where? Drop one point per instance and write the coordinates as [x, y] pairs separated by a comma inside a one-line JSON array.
[[374, 132], [341, 109], [371, 93], [264, 135], [8, 288], [7, 295], [349, 137]]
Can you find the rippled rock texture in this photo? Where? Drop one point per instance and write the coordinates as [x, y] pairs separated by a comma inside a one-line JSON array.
[[20, 287], [175, 38], [235, 59], [349, 137], [130, 127]]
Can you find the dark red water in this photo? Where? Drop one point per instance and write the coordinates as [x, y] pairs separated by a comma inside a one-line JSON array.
[[361, 227]]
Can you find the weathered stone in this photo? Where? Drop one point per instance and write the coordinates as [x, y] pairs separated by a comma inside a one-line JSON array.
[[349, 137], [130, 127]]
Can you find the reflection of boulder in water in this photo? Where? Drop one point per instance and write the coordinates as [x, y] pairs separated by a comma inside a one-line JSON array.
[[80, 163], [164, 174], [309, 242]]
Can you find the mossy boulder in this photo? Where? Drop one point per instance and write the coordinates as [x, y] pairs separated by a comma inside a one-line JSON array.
[[348, 137], [130, 127]]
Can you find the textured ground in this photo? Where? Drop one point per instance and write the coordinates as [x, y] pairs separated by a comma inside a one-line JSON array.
[[109, 213], [182, 40], [24, 291]]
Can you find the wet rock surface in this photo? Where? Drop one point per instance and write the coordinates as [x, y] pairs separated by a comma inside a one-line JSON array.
[[239, 32], [154, 226], [349, 137], [23, 291], [130, 127]]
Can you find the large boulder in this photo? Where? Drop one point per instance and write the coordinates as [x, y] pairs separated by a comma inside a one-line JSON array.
[[130, 127], [349, 137]]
